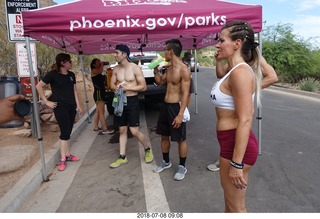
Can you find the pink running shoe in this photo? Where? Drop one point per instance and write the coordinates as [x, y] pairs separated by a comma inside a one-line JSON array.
[[70, 157], [62, 165]]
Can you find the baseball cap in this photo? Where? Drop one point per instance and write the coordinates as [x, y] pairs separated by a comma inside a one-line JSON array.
[[125, 49]]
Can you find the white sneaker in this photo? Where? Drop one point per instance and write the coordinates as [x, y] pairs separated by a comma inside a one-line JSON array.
[[214, 167]]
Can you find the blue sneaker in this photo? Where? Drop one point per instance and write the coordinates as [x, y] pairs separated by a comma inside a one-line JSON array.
[[181, 173], [163, 165]]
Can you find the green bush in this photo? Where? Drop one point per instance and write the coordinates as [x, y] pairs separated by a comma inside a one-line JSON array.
[[309, 84]]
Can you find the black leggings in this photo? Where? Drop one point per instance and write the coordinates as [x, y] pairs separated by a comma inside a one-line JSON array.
[[65, 116]]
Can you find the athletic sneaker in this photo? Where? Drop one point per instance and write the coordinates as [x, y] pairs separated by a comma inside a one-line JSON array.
[[148, 156], [163, 165], [108, 131], [62, 165], [119, 162], [70, 157], [181, 173], [214, 167], [97, 129]]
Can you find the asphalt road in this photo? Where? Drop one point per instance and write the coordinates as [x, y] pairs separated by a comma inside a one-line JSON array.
[[285, 179]]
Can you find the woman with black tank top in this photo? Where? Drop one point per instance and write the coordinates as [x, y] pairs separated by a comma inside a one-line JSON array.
[[99, 96]]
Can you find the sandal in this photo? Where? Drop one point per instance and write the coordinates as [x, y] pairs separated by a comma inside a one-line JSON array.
[[97, 129]]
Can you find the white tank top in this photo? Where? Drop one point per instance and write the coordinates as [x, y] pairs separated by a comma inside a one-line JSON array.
[[221, 100]]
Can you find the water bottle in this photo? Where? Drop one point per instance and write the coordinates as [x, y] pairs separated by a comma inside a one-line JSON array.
[[156, 62]]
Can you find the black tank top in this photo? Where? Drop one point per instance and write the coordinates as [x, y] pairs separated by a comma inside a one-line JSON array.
[[98, 82]]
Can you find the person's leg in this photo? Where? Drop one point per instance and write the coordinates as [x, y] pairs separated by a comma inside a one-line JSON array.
[[65, 117], [96, 120], [64, 145], [100, 112], [234, 198], [140, 137], [183, 152], [123, 138], [96, 115], [182, 170], [165, 148]]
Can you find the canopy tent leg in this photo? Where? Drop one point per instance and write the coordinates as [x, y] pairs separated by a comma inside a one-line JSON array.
[[36, 111], [85, 89], [196, 80], [259, 110]]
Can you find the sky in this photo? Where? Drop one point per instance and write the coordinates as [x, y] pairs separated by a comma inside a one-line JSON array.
[[304, 15]]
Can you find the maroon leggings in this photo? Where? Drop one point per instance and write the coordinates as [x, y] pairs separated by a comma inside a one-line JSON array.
[[227, 141]]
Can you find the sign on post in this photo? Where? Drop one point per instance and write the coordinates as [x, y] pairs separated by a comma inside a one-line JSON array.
[[14, 17], [27, 87], [22, 59]]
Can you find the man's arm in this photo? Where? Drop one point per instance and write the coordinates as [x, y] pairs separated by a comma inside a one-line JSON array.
[[268, 72], [185, 91], [160, 78]]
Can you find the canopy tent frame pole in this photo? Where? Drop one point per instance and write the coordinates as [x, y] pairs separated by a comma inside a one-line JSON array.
[[259, 117], [196, 75], [36, 111], [196, 80], [84, 86]]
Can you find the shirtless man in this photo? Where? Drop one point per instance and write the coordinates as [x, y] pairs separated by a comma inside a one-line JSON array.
[[129, 77], [170, 121], [269, 77]]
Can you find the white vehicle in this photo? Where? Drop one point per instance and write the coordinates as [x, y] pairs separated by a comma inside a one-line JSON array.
[[193, 65]]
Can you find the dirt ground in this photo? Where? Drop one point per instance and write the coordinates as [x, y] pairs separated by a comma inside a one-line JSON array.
[[50, 137]]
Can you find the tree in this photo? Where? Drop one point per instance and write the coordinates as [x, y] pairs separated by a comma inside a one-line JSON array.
[[290, 55]]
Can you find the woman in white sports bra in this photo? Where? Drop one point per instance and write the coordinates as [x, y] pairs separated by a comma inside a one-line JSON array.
[[233, 97]]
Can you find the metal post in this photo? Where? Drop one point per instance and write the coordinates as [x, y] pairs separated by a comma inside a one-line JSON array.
[[259, 109], [36, 110], [85, 89], [196, 79]]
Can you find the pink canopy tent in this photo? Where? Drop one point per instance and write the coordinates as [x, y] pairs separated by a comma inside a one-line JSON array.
[[96, 26], [87, 27]]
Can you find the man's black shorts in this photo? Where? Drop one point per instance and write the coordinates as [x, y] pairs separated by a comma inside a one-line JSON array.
[[131, 113], [165, 128]]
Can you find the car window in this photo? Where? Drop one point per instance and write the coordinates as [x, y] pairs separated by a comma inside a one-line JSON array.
[[143, 57]]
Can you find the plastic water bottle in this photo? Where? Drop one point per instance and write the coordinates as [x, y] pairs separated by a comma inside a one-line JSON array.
[[156, 62]]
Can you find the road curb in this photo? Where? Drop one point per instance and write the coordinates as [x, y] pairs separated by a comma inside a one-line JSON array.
[[292, 91], [13, 200]]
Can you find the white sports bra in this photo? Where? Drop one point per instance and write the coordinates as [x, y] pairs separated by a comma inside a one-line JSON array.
[[221, 100]]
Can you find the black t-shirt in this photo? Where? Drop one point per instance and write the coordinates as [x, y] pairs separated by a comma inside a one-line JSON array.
[[62, 87]]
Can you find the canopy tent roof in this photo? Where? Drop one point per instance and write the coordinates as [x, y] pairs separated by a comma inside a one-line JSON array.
[[96, 26]]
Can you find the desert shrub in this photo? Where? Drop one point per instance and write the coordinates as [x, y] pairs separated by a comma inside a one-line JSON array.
[[309, 84]]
